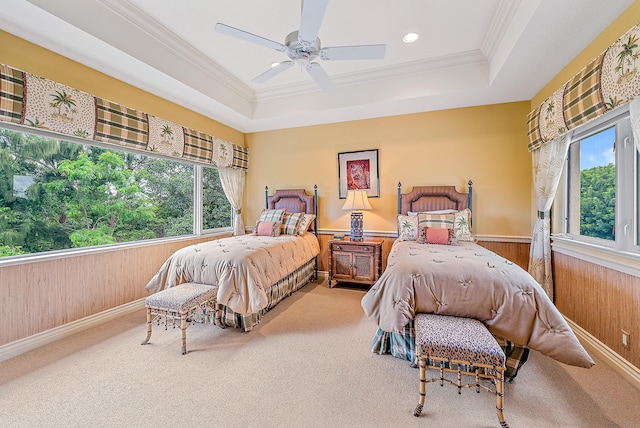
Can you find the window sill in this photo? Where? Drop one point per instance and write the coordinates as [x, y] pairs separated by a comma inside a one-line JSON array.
[[610, 258], [76, 252]]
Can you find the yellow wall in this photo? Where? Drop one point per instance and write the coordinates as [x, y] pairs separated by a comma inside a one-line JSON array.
[[618, 27], [26, 56], [486, 144]]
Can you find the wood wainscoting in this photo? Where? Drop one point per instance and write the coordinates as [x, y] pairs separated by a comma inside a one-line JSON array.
[[41, 295], [517, 252], [602, 301]]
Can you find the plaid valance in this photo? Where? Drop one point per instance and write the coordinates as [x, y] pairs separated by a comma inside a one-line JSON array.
[[610, 80], [34, 101]]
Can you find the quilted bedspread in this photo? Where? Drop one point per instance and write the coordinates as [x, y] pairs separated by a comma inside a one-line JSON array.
[[243, 267], [470, 281]]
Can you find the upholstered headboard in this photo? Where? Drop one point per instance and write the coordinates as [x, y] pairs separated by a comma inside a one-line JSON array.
[[294, 201], [432, 198]]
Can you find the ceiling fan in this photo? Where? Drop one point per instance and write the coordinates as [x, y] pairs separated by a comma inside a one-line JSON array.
[[303, 46]]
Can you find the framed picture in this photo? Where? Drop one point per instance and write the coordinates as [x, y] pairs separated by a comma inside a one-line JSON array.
[[359, 170]]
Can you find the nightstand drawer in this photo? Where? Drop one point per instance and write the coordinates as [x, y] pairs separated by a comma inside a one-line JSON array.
[[353, 248]]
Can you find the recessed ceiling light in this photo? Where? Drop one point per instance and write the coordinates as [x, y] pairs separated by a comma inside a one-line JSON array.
[[275, 64], [410, 37]]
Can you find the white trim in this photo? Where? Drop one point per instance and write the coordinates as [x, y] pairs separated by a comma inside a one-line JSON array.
[[77, 252], [499, 238], [623, 367], [370, 233], [20, 346], [624, 262], [394, 234]]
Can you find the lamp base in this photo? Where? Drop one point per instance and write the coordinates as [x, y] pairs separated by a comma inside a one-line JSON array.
[[356, 226]]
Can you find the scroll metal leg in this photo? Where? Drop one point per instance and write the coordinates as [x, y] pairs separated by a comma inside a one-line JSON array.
[[149, 322], [422, 363]]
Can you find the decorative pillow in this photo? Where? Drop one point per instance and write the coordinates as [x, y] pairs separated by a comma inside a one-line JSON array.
[[305, 223], [271, 215], [290, 223], [462, 225], [437, 221], [407, 228], [267, 228], [440, 236]]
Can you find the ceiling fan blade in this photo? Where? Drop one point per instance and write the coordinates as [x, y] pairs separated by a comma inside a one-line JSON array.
[[248, 37], [320, 76], [311, 19], [339, 53], [272, 72]]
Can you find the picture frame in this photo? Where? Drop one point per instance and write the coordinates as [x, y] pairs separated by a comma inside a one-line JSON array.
[[359, 170]]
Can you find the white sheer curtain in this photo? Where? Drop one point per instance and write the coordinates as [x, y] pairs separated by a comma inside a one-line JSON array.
[[634, 116], [548, 161], [232, 180]]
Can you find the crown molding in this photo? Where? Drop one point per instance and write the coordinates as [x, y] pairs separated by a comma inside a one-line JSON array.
[[398, 71], [179, 47], [499, 24]]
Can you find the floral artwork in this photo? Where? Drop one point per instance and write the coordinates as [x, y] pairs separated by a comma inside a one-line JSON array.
[[358, 170]]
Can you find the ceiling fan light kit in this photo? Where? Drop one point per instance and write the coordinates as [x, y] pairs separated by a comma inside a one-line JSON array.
[[303, 46]]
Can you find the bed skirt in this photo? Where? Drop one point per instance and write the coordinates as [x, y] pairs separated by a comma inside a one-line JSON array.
[[403, 346], [275, 294]]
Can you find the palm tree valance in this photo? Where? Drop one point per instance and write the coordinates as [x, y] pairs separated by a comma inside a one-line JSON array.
[[610, 80], [33, 101]]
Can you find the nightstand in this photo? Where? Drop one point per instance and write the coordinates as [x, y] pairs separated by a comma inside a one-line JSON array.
[[358, 262]]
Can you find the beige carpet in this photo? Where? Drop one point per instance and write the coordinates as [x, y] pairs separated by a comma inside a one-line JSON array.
[[307, 365]]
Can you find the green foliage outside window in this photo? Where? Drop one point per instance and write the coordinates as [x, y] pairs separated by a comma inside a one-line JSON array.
[[81, 195], [598, 202]]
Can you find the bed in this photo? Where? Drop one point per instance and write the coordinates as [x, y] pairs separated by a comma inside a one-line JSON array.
[[461, 278], [253, 272]]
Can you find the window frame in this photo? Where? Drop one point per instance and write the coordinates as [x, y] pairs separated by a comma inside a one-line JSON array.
[[622, 254], [198, 230]]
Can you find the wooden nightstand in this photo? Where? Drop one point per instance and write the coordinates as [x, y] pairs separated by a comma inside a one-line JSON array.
[[358, 262]]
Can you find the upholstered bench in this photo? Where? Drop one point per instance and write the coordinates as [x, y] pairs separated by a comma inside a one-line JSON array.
[[180, 303], [463, 346]]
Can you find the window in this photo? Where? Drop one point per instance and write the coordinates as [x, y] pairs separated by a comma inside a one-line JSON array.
[[216, 209], [57, 195], [601, 187]]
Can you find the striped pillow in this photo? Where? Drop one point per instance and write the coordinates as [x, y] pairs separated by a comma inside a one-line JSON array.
[[436, 221], [290, 223], [271, 215]]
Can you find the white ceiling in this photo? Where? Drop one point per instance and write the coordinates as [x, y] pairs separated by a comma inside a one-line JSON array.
[[470, 52]]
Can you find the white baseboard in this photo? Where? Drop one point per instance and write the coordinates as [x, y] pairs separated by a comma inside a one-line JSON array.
[[20, 346], [627, 370]]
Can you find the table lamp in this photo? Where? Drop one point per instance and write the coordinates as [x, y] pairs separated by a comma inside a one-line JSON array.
[[356, 200]]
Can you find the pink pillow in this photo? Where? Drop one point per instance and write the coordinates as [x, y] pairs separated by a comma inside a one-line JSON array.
[[437, 236], [268, 228]]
